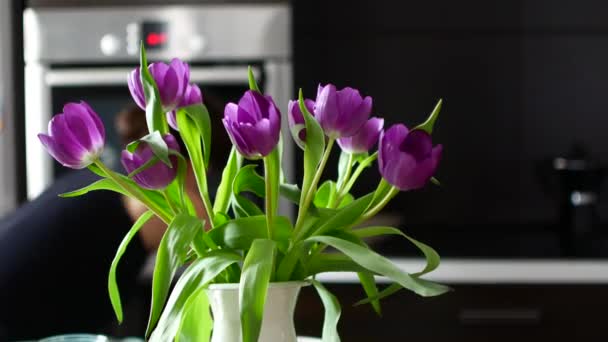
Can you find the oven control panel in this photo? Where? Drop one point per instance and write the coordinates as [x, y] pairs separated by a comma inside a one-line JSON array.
[[205, 32]]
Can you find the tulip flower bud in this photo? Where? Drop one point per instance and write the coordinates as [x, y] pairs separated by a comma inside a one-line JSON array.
[[341, 113], [171, 79], [157, 176], [297, 125], [365, 139], [192, 96], [76, 137], [407, 159], [254, 125]]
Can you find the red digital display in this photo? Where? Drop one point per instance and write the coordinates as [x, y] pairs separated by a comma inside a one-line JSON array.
[[154, 34], [156, 38]]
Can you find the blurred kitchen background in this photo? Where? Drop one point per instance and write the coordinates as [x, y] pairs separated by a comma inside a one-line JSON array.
[[519, 219]]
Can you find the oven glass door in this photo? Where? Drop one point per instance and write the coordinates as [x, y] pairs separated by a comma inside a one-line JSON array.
[[108, 94]]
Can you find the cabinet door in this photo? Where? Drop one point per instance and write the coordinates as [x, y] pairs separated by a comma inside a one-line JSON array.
[[470, 313]]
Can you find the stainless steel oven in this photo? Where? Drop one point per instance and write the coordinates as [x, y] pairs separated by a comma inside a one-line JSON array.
[[76, 54]]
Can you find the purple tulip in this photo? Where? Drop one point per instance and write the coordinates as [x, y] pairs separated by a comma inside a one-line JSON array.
[[172, 80], [192, 95], [297, 125], [157, 176], [407, 159], [343, 112], [254, 125], [76, 136], [365, 138]]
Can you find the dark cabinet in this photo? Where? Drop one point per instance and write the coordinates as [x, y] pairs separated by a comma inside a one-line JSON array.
[[470, 313]]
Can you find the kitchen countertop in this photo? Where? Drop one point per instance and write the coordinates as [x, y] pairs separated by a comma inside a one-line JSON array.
[[497, 271]]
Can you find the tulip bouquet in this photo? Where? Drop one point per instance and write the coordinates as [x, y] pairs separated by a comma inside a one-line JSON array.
[[236, 241]]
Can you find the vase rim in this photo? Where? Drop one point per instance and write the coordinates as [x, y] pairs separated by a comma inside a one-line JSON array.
[[280, 284]]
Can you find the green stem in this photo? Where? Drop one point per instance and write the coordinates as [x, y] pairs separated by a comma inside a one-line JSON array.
[[171, 205], [335, 200], [355, 176], [133, 192], [376, 209], [313, 187], [268, 198]]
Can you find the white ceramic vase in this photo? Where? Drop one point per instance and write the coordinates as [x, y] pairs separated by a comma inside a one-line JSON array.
[[277, 324]]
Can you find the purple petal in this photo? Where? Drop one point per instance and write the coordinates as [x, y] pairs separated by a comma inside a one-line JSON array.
[[169, 89], [261, 136], [236, 138], [65, 139], [250, 107], [182, 70], [172, 119], [326, 110], [192, 95], [365, 138], [58, 153], [100, 129], [418, 143], [136, 89]]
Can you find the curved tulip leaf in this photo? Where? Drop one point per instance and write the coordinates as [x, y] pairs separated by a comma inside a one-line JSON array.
[[155, 116], [240, 233], [109, 184], [428, 125], [382, 266], [196, 322], [390, 290], [432, 257], [345, 216], [257, 272], [247, 180], [112, 285], [332, 262], [171, 254], [244, 207], [332, 313], [224, 193], [200, 273], [314, 148], [368, 282], [253, 85], [199, 115], [325, 194]]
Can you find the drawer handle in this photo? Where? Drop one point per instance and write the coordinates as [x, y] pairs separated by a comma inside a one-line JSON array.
[[494, 316]]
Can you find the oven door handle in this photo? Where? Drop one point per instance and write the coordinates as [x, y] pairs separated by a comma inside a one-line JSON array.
[[209, 75]]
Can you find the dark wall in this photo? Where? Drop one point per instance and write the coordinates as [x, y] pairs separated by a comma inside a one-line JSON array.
[[522, 81]]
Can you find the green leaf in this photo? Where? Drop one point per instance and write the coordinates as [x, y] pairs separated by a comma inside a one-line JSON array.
[[428, 125], [257, 272], [171, 254], [155, 116], [313, 151], [435, 181], [343, 165], [326, 192], [247, 180], [345, 216], [332, 313], [196, 323], [332, 262], [368, 282], [432, 257], [112, 285], [199, 115], [389, 290], [253, 85], [96, 170], [291, 192], [102, 184], [200, 273], [240, 233], [158, 146], [380, 265], [224, 190], [243, 207]]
